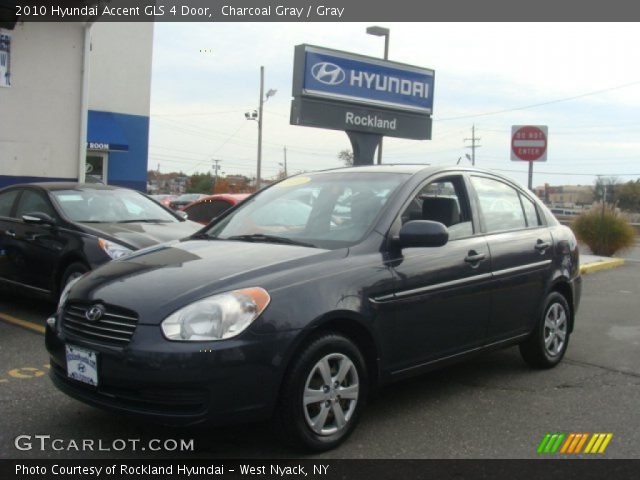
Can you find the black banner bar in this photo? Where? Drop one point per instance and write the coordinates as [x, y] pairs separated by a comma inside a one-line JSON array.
[[322, 469], [321, 10]]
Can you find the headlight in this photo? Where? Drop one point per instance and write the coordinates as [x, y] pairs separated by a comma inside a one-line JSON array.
[[64, 296], [216, 317], [114, 250]]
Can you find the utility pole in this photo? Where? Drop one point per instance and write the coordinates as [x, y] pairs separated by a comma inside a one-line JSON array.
[[216, 169], [258, 179], [285, 162], [473, 145]]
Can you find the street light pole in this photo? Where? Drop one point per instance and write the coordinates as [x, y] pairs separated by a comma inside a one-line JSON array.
[[381, 32], [258, 179]]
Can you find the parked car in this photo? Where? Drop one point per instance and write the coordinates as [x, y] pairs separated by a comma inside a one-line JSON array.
[[183, 200], [51, 233], [208, 208], [164, 199], [298, 321]]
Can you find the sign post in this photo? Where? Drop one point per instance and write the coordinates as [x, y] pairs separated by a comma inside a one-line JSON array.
[[366, 97], [529, 144]]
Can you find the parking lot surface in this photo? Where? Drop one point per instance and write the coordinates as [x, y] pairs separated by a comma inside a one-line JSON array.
[[493, 406]]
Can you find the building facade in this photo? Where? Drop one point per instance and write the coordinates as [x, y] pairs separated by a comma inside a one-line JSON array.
[[50, 81]]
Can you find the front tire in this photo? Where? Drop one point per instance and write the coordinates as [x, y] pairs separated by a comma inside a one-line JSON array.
[[73, 271], [323, 394], [548, 343]]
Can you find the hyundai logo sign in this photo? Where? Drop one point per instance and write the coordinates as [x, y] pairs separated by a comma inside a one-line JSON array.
[[328, 73], [347, 77]]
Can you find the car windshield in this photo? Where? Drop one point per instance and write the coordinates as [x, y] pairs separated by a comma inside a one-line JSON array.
[[326, 210], [110, 206]]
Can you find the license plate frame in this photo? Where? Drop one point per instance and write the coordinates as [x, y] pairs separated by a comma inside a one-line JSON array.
[[82, 364]]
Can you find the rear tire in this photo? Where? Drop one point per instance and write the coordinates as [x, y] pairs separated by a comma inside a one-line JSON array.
[[323, 394], [548, 343]]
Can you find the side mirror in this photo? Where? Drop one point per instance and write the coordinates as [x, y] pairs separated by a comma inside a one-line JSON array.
[[38, 218], [423, 233], [183, 214]]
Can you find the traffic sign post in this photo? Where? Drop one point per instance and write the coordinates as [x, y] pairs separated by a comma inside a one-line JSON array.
[[529, 144]]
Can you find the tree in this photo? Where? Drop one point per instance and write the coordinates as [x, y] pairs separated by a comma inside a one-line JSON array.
[[200, 183], [605, 185], [346, 157], [628, 196]]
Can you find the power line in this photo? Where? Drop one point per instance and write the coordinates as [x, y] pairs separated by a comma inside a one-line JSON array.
[[541, 104]]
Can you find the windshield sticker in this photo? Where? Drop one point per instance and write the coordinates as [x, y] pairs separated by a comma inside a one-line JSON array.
[[293, 182]]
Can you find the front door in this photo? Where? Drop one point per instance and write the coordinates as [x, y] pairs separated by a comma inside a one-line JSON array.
[[442, 295], [37, 246]]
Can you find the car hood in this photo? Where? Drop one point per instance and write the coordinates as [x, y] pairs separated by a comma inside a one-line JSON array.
[[141, 235], [158, 280]]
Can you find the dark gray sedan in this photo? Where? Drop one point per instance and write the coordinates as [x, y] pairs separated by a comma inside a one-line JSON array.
[[51, 233]]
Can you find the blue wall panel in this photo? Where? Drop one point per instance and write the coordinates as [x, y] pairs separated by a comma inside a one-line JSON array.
[[126, 169]]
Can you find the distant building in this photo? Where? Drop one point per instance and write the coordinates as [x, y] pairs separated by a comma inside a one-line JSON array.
[[49, 81], [565, 196]]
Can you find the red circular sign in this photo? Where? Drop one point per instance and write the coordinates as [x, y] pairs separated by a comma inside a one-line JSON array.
[[529, 144]]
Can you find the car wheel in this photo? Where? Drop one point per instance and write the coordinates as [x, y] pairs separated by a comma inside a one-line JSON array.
[[548, 343], [323, 394], [73, 271]]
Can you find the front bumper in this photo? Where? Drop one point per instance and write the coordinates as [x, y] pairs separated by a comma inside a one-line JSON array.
[[179, 383]]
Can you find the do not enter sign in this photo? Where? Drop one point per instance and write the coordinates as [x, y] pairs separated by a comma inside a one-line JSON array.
[[529, 143]]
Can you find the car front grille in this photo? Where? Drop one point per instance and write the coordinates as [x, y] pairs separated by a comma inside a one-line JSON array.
[[115, 327]]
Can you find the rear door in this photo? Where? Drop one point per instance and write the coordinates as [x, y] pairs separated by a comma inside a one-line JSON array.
[[521, 254], [442, 296]]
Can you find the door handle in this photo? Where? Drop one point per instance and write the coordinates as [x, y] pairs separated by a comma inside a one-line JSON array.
[[474, 257], [542, 246], [10, 233]]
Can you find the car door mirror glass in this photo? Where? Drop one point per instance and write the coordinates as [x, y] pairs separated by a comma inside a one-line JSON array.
[[38, 218], [183, 214], [423, 233]]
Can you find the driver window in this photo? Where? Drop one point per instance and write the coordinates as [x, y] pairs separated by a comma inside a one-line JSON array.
[[445, 201], [32, 202]]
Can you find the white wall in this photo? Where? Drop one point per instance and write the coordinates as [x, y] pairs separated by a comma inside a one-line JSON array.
[[40, 112], [121, 55]]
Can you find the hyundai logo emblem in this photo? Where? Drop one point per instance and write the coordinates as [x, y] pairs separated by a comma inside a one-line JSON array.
[[328, 73], [94, 313]]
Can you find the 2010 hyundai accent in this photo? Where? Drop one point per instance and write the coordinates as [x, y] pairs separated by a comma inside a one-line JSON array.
[[390, 271]]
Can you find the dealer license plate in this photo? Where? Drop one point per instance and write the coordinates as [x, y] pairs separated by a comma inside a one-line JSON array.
[[82, 365]]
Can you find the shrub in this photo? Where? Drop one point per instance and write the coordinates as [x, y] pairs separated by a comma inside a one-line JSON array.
[[605, 234]]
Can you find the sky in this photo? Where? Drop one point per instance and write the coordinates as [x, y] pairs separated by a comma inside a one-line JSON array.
[[581, 80]]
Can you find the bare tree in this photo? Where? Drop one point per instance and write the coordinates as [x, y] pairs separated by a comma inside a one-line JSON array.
[[346, 157]]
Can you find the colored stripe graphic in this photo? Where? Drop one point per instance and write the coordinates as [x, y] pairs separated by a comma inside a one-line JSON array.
[[598, 443], [550, 443], [572, 443]]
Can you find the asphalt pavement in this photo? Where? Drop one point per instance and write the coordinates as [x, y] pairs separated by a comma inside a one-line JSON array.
[[493, 406]]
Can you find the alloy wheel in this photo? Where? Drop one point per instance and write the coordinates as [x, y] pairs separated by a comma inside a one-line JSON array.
[[555, 329], [331, 394]]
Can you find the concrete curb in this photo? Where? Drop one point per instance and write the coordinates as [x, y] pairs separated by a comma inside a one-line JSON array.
[[604, 264]]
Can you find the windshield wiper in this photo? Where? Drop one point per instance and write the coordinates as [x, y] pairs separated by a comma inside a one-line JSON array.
[[259, 237]]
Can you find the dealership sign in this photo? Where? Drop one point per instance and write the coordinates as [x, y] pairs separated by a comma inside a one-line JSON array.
[[349, 77], [344, 91], [529, 143]]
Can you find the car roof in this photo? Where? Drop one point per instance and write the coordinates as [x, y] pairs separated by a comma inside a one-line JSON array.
[[410, 169]]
